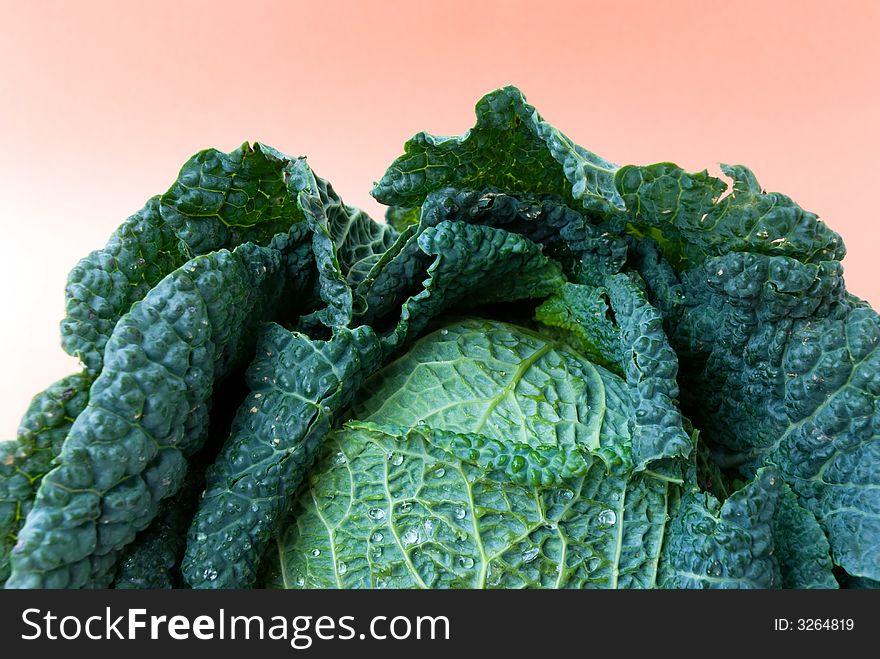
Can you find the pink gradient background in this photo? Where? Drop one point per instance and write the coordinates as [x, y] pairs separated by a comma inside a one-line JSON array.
[[103, 102]]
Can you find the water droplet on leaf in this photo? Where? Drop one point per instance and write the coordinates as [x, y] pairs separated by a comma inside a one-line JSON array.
[[410, 537], [530, 554]]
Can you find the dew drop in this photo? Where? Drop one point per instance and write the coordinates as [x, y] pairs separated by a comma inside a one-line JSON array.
[[201, 537], [397, 459], [444, 331], [377, 537], [466, 562], [404, 508], [341, 567], [254, 410], [327, 409], [340, 458], [439, 473], [276, 441], [460, 513], [376, 513], [530, 554], [593, 564], [429, 527], [316, 553], [607, 517], [410, 537], [300, 581], [714, 569], [210, 574], [376, 552], [567, 494], [502, 373]]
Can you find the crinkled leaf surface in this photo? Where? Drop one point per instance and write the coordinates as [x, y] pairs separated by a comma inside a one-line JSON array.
[[25, 460], [687, 215], [785, 370], [800, 546], [104, 285], [473, 265], [147, 411], [219, 200], [298, 387], [511, 147], [729, 545], [153, 559]]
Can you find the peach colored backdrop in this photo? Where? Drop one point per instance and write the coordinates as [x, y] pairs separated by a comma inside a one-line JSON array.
[[102, 101]]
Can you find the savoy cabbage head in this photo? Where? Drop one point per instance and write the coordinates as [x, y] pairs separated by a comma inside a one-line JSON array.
[[544, 370]]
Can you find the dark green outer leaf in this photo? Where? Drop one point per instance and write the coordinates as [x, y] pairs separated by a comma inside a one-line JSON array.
[[687, 214], [800, 546], [147, 411], [566, 235], [298, 387], [220, 200], [512, 148], [346, 243], [473, 265], [651, 367], [153, 559], [25, 460], [635, 340], [104, 285], [781, 368], [729, 545]]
